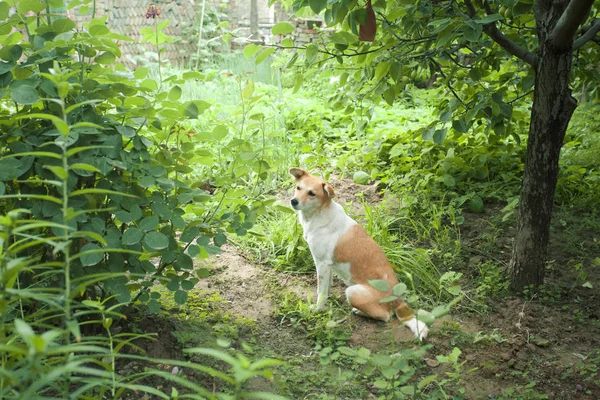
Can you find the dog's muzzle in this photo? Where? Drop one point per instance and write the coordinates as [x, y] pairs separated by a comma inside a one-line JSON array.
[[294, 203]]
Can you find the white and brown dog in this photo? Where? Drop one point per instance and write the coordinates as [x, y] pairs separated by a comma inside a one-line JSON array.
[[338, 244]]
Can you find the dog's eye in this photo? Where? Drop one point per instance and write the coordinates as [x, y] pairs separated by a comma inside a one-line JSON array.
[[297, 187], [311, 193]]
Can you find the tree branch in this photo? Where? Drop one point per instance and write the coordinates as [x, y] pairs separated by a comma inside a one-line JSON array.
[[590, 34], [574, 15], [493, 32]]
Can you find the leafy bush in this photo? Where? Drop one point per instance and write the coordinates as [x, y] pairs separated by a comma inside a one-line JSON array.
[[101, 201]]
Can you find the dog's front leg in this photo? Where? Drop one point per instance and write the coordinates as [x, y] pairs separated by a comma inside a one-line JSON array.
[[324, 278]]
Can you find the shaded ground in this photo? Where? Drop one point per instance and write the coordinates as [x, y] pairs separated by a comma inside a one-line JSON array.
[[543, 346]]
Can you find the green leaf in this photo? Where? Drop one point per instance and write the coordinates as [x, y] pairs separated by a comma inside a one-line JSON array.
[[380, 284], [187, 285], [220, 239], [472, 31], [175, 93], [425, 316], [153, 306], [149, 223], [489, 19], [388, 299], [156, 241], [460, 126], [428, 134], [132, 236], [282, 28], [180, 297], [84, 167], [476, 204], [24, 93], [317, 5], [63, 25], [361, 177], [440, 311], [439, 135], [381, 70], [184, 262], [449, 180], [191, 110], [4, 10], [92, 258], [106, 58], [250, 50], [399, 289], [264, 54], [60, 172]]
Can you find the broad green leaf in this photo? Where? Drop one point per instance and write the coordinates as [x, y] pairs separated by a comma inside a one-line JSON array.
[[220, 239], [132, 236], [63, 25], [426, 317], [440, 311], [156, 241], [380, 284], [439, 135], [91, 254], [476, 204], [4, 10], [317, 5], [175, 93], [149, 223], [180, 297], [449, 180], [184, 262], [106, 58], [264, 54], [24, 94], [472, 31], [282, 28], [250, 50], [311, 54], [381, 70], [399, 289], [361, 177], [388, 299], [460, 125]]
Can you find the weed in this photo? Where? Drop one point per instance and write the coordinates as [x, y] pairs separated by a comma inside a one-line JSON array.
[[277, 241], [488, 338], [491, 281], [328, 327]]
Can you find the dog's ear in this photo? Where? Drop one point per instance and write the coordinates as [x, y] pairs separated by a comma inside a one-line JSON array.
[[329, 190], [297, 173]]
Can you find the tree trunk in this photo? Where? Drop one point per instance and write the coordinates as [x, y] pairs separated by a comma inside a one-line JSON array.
[[254, 19], [553, 106]]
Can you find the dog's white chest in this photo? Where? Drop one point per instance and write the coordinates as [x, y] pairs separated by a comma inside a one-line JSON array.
[[322, 233]]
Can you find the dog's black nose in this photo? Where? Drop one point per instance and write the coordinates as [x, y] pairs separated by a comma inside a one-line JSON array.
[[294, 202]]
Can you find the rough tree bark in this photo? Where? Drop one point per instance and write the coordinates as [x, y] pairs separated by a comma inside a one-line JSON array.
[[553, 106]]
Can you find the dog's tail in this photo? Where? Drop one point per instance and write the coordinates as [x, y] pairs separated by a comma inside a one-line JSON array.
[[406, 315]]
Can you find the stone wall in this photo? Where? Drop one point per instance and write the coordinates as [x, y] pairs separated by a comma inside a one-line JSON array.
[[127, 17]]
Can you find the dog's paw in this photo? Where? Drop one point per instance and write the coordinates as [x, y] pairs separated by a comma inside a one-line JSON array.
[[356, 311], [419, 328]]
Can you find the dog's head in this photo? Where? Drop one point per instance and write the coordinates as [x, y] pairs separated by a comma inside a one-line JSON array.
[[311, 191]]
